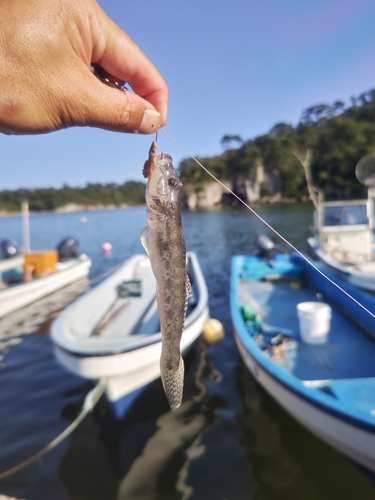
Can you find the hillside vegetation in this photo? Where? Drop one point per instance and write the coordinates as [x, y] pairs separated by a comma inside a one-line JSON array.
[[93, 195], [337, 135]]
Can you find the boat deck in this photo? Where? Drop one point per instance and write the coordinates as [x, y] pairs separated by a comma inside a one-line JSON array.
[[348, 354], [103, 323]]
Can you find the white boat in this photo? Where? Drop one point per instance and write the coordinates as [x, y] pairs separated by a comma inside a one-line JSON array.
[[36, 317], [21, 293], [343, 240], [27, 277], [113, 331], [11, 268]]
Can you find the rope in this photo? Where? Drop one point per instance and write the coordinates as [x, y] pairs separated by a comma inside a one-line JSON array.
[[90, 401]]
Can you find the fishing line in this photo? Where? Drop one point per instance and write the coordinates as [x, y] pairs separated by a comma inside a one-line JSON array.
[[269, 225]]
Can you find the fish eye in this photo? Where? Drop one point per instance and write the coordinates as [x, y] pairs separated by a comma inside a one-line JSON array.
[[172, 182]]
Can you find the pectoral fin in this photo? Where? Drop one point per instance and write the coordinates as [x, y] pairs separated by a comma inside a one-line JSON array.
[[144, 239]]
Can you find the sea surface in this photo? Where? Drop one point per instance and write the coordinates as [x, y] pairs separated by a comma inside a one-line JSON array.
[[230, 442]]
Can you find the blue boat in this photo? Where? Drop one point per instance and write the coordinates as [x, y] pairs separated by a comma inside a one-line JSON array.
[[329, 387]]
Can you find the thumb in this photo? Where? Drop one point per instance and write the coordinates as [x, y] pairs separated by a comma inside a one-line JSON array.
[[90, 102]]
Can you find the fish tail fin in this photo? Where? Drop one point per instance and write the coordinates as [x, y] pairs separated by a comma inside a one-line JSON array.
[[189, 288], [173, 383]]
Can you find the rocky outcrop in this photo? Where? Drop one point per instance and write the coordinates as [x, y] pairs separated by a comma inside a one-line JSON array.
[[211, 194], [272, 183], [247, 189], [203, 196]]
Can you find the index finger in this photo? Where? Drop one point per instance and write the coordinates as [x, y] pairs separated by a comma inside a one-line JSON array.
[[116, 52]]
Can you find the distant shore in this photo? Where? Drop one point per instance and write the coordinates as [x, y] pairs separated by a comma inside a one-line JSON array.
[[70, 208], [75, 208]]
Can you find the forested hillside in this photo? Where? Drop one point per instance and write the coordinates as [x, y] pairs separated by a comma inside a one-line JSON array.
[[337, 135], [129, 193]]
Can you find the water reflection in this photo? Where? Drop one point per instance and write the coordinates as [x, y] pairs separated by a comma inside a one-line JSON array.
[[289, 463], [147, 454], [156, 454]]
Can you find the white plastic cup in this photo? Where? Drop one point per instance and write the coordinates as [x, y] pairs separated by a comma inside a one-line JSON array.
[[314, 321]]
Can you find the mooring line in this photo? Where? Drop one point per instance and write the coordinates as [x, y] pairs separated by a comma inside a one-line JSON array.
[[90, 401], [269, 225]]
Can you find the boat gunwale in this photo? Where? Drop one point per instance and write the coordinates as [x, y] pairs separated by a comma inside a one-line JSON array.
[[81, 260]]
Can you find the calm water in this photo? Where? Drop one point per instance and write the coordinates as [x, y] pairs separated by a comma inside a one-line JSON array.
[[230, 441]]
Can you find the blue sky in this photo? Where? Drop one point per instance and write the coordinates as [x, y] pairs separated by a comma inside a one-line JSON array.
[[234, 67]]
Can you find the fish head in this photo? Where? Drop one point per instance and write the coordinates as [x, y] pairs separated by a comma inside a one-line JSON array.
[[163, 186]]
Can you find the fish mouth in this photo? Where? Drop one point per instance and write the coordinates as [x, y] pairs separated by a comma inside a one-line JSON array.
[[151, 160]]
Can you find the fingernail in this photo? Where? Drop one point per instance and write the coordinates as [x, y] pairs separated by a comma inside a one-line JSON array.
[[151, 122]]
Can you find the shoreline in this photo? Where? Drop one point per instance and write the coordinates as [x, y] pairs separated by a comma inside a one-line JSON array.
[[68, 209], [73, 208]]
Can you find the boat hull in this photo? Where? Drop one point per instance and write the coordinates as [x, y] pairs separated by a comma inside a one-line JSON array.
[[352, 440], [16, 296], [127, 371]]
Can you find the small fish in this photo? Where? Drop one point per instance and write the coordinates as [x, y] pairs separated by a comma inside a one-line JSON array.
[[164, 242]]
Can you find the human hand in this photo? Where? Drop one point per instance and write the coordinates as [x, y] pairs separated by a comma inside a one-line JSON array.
[[46, 50]]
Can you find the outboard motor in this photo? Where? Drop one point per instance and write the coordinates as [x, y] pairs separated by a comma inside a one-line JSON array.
[[9, 249], [264, 244], [67, 249], [266, 247]]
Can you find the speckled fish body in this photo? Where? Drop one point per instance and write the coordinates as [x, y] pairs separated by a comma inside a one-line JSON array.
[[164, 241]]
